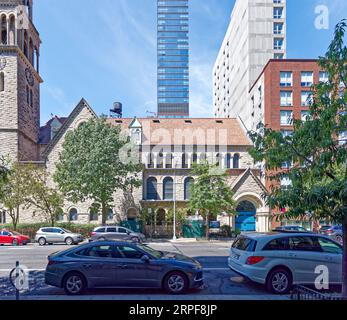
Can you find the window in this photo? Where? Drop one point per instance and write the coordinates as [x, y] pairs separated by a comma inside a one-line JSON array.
[[128, 252], [97, 251], [278, 13], [110, 214], [304, 115], [111, 230], [285, 183], [329, 246], [150, 161], [278, 27], [228, 164], [152, 193], [286, 165], [2, 217], [286, 118], [278, 43], [187, 188], [279, 56], [60, 216], [323, 77], [277, 244], [168, 189], [306, 98], [286, 98], [122, 230], [73, 215], [304, 244], [169, 160], [306, 79], [2, 82], [286, 79], [93, 216], [184, 161], [195, 158], [28, 95], [245, 244], [100, 230], [236, 161]]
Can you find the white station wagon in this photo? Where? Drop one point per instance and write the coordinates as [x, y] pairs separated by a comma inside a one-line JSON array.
[[280, 260]]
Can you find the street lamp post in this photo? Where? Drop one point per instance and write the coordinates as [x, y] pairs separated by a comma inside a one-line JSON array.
[[174, 200]]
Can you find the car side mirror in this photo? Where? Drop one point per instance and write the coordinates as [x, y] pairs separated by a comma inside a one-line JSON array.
[[62, 232], [145, 258], [128, 232]]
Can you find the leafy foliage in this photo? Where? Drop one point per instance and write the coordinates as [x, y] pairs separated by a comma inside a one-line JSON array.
[[96, 162], [210, 193], [317, 149]]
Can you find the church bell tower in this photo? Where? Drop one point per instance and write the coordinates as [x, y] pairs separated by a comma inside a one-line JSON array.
[[19, 81]]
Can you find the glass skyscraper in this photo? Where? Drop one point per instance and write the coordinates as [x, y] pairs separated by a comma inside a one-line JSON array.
[[173, 58]]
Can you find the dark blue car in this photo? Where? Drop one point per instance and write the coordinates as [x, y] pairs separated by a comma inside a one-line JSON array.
[[110, 264]]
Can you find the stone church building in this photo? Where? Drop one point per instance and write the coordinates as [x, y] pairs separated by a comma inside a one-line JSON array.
[[168, 147]]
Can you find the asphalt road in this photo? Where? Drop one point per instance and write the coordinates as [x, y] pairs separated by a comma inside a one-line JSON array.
[[219, 279]]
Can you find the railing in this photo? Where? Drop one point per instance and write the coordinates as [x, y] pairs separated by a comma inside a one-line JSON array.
[[303, 293]]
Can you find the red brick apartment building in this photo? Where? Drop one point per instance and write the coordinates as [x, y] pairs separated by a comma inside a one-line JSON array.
[[282, 92]]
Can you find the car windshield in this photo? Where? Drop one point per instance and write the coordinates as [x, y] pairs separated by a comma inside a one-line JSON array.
[[154, 253], [15, 233]]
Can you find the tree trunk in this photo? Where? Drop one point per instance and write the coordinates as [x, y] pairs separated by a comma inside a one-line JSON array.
[[104, 213], [344, 259]]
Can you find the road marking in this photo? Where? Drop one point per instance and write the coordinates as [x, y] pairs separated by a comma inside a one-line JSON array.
[[31, 270]]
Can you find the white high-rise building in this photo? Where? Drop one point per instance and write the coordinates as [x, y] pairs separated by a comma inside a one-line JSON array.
[[256, 34]]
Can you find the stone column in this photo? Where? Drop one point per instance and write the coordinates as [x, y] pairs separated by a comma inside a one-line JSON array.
[[164, 160], [189, 160], [8, 30]]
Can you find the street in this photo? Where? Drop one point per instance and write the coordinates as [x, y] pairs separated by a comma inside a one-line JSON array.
[[219, 280]]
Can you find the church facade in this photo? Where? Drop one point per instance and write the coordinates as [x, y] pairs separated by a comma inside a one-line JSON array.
[[168, 147]]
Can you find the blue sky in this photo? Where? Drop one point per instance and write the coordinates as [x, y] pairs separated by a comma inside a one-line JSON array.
[[105, 50]]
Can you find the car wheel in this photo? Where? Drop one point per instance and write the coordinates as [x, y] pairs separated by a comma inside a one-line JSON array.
[[175, 283], [69, 241], [339, 239], [279, 281], [135, 240], [74, 283], [15, 242], [42, 241]]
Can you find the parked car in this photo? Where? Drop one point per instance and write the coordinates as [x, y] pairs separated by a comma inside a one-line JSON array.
[[116, 233], [291, 229], [279, 260], [57, 235], [111, 264], [334, 232], [13, 237]]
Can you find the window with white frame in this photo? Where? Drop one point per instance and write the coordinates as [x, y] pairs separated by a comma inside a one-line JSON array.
[[286, 98], [304, 115], [323, 76], [285, 182], [278, 13], [286, 118], [286, 133], [278, 56], [306, 79], [278, 43], [286, 79], [278, 27], [306, 98]]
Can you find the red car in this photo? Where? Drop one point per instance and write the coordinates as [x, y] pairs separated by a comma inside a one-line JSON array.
[[14, 238]]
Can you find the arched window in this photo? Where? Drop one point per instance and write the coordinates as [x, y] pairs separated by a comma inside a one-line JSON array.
[[28, 95], [184, 161], [188, 182], [152, 193], [60, 216], [228, 164], [236, 161], [12, 31], [3, 28], [168, 189], [25, 49], [2, 82], [195, 158], [217, 159], [160, 160], [110, 214], [31, 51], [93, 215], [73, 215]]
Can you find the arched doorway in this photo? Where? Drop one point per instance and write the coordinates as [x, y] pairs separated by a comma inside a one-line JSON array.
[[246, 216]]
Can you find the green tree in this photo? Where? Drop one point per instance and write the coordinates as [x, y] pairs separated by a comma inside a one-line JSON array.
[[47, 202], [210, 193], [14, 191], [97, 161], [317, 150]]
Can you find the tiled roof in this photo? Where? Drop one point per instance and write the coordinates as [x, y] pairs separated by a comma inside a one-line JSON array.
[[201, 131]]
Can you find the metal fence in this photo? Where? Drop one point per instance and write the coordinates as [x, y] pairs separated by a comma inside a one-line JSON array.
[[303, 293]]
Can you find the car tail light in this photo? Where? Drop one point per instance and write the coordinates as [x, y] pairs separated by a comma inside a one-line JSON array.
[[93, 233], [50, 262], [254, 260], [329, 231]]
